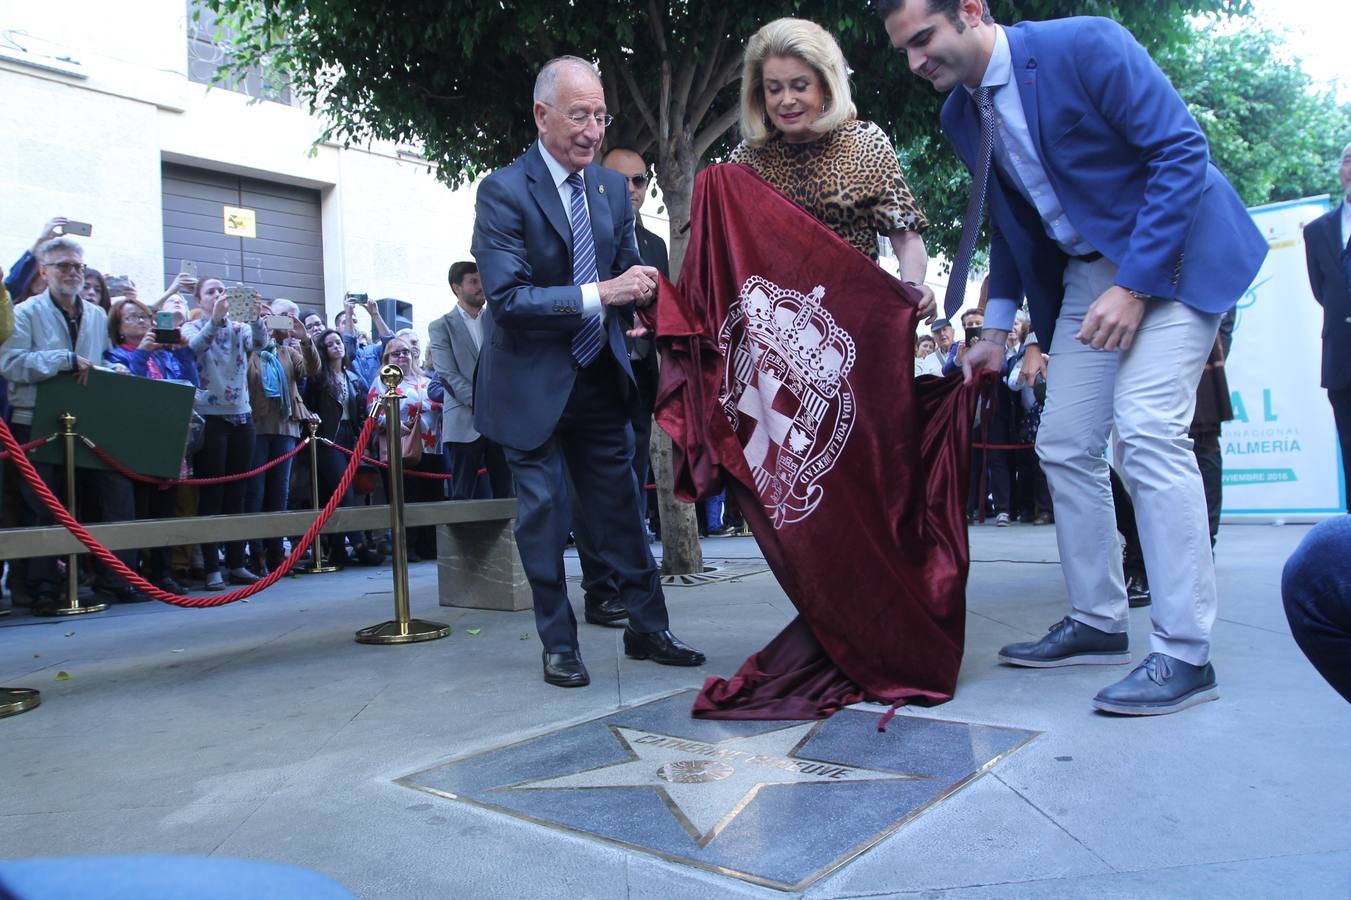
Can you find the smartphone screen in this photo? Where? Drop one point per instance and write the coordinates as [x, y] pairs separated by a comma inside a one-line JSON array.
[[188, 267], [241, 306], [277, 323], [164, 319]]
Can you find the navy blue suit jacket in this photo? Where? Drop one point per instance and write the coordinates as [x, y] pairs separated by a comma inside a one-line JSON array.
[[523, 246], [1129, 164], [1332, 288]]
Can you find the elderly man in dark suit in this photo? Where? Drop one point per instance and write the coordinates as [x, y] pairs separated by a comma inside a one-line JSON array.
[[454, 341], [1327, 245], [1107, 215], [554, 241]]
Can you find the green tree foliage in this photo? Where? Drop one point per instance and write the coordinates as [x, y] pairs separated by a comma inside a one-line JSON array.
[[455, 76], [1270, 131]]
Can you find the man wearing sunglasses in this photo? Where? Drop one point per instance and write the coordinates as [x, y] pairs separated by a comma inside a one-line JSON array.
[[600, 585]]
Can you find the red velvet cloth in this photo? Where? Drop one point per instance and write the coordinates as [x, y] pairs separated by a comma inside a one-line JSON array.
[[788, 375]]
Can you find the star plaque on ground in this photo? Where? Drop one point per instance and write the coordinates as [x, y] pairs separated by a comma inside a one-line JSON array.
[[775, 803]]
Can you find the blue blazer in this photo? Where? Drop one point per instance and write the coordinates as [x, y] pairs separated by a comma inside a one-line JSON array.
[[1129, 164], [523, 245], [1330, 278]]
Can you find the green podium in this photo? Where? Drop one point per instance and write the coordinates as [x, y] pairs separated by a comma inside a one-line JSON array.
[[140, 422]]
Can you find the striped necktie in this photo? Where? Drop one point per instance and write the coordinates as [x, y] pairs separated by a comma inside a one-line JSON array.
[[975, 205], [586, 343]]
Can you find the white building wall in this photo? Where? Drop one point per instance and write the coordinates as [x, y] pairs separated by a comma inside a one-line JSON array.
[[87, 142]]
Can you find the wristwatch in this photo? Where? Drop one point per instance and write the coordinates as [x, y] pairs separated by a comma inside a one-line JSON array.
[[1140, 295]]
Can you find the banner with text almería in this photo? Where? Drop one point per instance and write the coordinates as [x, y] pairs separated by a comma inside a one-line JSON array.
[[1280, 452]]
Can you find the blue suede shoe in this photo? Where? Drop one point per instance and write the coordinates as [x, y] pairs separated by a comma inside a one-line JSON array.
[[1069, 643], [1158, 686]]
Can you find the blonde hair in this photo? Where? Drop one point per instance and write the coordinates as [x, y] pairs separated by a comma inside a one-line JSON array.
[[806, 41]]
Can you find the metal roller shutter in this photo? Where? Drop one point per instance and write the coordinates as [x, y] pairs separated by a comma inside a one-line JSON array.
[[285, 259]]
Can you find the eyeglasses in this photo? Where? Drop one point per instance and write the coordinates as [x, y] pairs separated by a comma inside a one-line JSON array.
[[394, 353], [638, 181], [135, 317], [580, 119], [66, 267]]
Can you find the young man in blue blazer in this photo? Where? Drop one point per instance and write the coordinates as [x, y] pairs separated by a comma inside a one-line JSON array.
[[1107, 215]]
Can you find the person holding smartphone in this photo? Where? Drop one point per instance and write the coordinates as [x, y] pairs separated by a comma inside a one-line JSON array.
[[133, 344], [221, 349], [275, 373], [365, 359]]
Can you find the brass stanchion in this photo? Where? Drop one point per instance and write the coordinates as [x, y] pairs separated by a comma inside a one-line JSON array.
[[16, 700], [402, 630], [318, 567], [73, 606]]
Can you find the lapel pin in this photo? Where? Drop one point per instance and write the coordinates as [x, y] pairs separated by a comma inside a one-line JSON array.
[[600, 188]]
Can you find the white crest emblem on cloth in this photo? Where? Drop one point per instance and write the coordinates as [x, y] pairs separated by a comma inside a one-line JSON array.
[[786, 392]]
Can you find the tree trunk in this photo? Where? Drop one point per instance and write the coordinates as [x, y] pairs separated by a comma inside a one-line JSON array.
[[681, 553]]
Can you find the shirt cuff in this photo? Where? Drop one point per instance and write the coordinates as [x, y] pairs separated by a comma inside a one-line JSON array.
[[999, 313], [591, 304]]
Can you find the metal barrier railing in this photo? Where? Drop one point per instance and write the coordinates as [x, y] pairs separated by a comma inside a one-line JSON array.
[[402, 629]]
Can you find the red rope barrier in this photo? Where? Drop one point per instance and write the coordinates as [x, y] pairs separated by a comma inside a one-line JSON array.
[[31, 445], [437, 476], [64, 517], [170, 482]]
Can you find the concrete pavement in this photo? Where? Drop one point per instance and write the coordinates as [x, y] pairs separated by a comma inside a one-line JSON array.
[[261, 730]]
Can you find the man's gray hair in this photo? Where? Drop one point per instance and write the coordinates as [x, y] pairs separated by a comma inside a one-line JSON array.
[[59, 243], [283, 307], [546, 82]]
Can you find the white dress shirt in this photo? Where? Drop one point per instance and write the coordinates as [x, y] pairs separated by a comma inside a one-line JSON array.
[[474, 324], [590, 292], [1346, 219]]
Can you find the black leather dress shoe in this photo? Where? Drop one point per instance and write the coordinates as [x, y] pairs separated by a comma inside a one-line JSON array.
[[662, 647], [1137, 589], [609, 612], [565, 669]]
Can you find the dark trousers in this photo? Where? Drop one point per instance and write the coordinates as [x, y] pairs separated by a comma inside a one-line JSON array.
[[1031, 494], [1316, 589], [465, 460], [332, 464], [593, 445], [116, 503], [1206, 446], [227, 449], [1134, 560], [154, 502], [598, 582], [1340, 398], [267, 491], [642, 457]]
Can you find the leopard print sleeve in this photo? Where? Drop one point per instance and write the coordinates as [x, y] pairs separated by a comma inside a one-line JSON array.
[[743, 153], [896, 209]]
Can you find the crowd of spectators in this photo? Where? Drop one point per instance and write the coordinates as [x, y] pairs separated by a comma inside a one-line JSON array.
[[1006, 484], [259, 381], [258, 385]]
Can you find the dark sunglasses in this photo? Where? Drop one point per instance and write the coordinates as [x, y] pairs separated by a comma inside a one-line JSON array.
[[638, 181]]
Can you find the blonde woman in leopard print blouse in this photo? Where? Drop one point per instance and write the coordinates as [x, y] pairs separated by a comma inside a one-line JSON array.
[[801, 134]]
